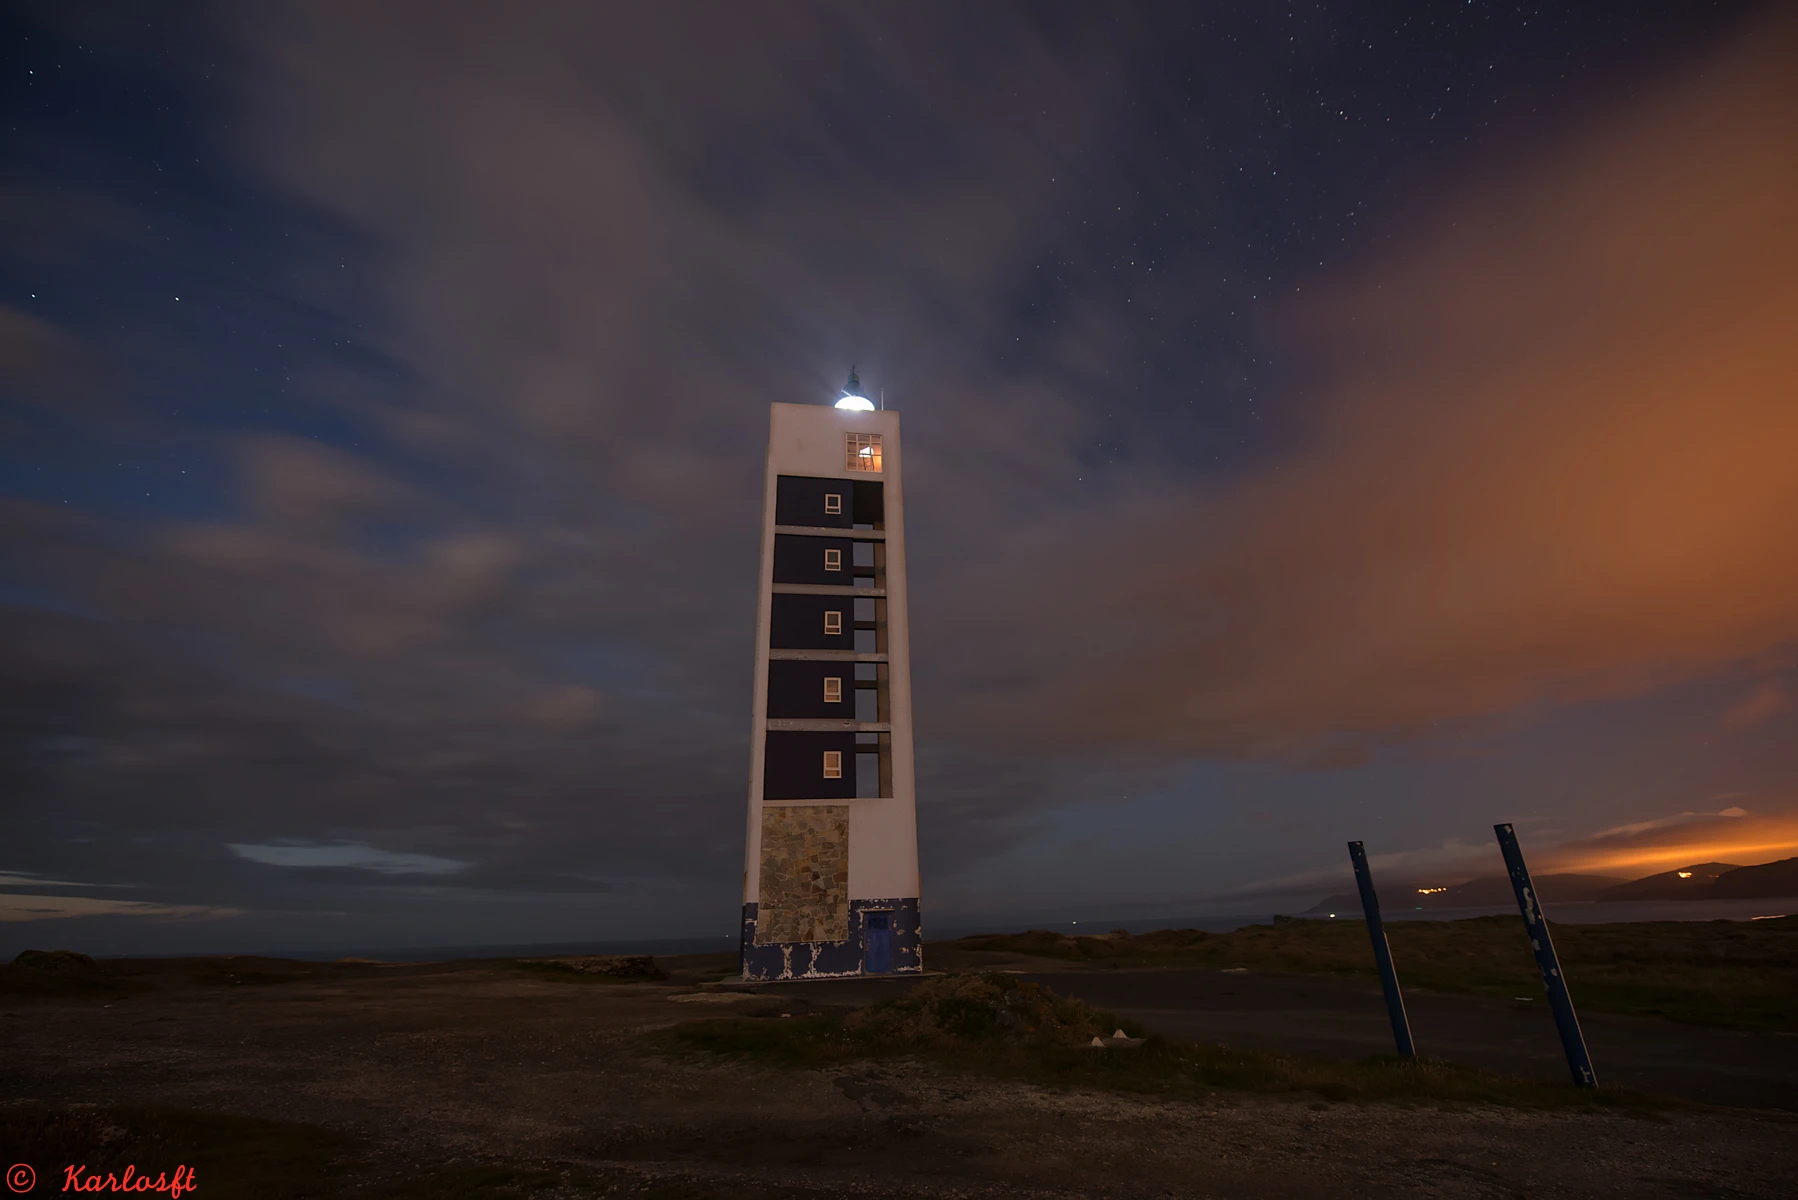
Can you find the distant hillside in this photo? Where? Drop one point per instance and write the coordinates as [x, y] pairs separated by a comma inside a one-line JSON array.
[[1714, 881], [1701, 881], [1769, 881], [1484, 892], [1687, 883]]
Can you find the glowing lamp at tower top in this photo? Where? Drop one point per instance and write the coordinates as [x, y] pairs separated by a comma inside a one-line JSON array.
[[853, 400]]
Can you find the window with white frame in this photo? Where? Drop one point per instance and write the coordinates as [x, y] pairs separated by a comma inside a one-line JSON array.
[[833, 689], [833, 560], [833, 622], [833, 764], [862, 451], [833, 503]]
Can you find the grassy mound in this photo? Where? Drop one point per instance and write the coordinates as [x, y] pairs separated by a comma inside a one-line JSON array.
[[965, 1016], [1000, 1026], [973, 1008], [60, 961], [57, 973], [618, 968]]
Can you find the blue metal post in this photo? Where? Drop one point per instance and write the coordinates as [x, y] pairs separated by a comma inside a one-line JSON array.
[[1559, 999], [1382, 952]]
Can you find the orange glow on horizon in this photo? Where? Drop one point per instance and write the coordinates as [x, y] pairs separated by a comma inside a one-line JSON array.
[[1648, 860]]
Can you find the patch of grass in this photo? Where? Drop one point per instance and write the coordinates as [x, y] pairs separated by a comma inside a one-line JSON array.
[[38, 974], [949, 1013], [986, 1009], [240, 1156], [66, 975], [595, 969], [1733, 974], [941, 1029]]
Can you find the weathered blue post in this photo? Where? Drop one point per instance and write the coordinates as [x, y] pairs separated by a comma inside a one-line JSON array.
[[1559, 999], [1382, 952]]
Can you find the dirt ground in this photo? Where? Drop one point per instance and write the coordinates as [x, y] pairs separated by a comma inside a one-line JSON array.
[[1346, 1018], [489, 1064]]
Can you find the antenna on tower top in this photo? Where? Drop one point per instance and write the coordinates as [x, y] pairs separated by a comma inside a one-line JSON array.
[[852, 396]]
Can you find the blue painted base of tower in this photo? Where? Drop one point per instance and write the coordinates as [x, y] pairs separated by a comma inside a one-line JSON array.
[[870, 949]]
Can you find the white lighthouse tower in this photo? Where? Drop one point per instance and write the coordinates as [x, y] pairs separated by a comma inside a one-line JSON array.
[[830, 880]]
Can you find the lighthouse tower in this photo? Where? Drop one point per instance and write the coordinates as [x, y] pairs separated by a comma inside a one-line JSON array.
[[830, 880]]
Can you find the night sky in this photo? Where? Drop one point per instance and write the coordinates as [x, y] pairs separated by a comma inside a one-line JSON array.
[[1364, 421]]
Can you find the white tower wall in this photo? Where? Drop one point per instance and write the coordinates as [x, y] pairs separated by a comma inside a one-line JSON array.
[[830, 880]]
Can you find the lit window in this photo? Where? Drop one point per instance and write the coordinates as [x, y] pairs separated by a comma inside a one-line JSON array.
[[833, 690], [863, 452], [833, 764], [833, 622], [833, 503], [833, 560]]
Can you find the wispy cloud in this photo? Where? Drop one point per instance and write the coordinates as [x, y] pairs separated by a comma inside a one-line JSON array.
[[1757, 708], [16, 907], [354, 855], [1618, 832], [21, 879]]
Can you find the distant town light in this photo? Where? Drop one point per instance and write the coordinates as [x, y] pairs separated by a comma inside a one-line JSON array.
[[1684, 874], [1430, 891]]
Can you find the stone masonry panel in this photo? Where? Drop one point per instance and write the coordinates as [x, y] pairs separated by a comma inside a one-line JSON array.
[[805, 874]]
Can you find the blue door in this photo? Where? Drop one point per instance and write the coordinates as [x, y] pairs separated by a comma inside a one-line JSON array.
[[879, 944]]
